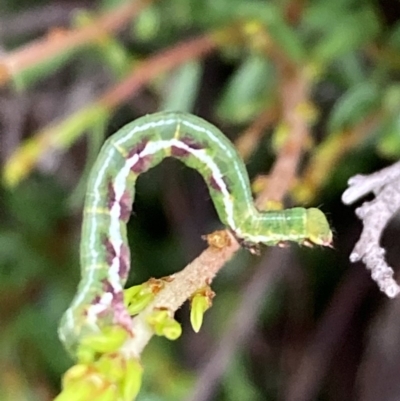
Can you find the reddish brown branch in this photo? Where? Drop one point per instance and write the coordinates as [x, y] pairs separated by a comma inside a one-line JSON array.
[[62, 41], [249, 140], [240, 328], [60, 134], [161, 62], [294, 11], [294, 93]]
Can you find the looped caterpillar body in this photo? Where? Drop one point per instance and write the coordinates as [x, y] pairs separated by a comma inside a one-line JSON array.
[[135, 148]]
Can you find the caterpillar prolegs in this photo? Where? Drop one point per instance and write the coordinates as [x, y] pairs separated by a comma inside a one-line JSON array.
[[135, 148]]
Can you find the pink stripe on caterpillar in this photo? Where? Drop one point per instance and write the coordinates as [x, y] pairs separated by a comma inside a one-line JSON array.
[[124, 261], [142, 164], [136, 150], [192, 143], [179, 152], [111, 253]]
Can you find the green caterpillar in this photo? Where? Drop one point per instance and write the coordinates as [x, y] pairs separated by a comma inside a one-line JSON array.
[[140, 145]]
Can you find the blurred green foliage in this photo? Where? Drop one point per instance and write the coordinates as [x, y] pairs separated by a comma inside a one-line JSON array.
[[349, 52]]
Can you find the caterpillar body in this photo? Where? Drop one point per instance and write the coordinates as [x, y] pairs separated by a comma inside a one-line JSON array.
[[135, 148]]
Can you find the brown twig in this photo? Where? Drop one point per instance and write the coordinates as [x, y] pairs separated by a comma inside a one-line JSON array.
[[60, 134], [250, 138], [159, 63], [194, 276], [294, 93], [294, 10], [62, 41], [239, 329]]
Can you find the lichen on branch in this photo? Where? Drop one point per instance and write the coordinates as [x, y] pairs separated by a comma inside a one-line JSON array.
[[375, 216]]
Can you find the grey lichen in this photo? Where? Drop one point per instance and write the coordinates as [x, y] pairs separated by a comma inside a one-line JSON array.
[[385, 185]]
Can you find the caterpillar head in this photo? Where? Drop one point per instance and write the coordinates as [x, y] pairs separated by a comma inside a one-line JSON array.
[[318, 230]]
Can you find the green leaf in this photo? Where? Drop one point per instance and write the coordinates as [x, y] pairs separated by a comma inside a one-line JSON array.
[[349, 70], [318, 16], [247, 92], [389, 132], [349, 34], [147, 25], [181, 90], [391, 99], [353, 105], [394, 37], [198, 307]]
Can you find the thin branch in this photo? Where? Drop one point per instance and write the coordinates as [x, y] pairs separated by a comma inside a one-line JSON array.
[[183, 284], [55, 44], [270, 270], [60, 135], [158, 64], [294, 10], [250, 138], [294, 93]]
